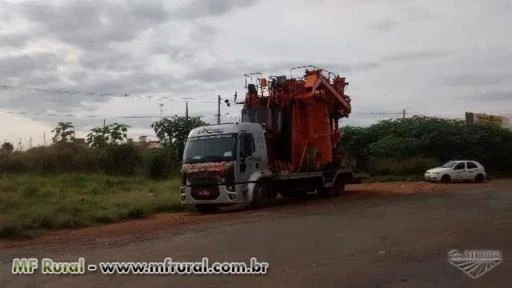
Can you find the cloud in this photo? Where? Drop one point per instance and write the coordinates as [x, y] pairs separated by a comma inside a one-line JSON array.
[[416, 55], [201, 48], [90, 24], [13, 39], [210, 8], [481, 79], [494, 96], [21, 65], [385, 24]]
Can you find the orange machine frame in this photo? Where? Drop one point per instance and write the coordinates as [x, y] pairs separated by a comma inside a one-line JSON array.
[[300, 116]]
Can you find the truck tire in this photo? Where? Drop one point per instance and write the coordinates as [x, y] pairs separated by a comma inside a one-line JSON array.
[[294, 194], [261, 198], [335, 190], [207, 208]]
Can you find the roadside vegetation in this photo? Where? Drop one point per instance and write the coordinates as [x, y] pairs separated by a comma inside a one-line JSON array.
[[405, 148], [29, 203], [73, 184]]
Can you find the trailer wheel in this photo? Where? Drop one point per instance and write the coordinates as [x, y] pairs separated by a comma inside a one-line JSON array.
[[261, 198]]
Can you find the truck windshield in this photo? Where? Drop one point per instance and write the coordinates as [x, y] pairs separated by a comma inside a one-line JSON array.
[[210, 149]]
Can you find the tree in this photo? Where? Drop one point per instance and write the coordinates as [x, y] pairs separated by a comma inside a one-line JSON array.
[[110, 134], [63, 133], [7, 148], [173, 132]]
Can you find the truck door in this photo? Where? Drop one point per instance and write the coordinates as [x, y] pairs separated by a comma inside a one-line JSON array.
[[246, 157]]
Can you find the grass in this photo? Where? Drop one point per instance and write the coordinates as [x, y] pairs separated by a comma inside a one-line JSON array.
[[31, 203]]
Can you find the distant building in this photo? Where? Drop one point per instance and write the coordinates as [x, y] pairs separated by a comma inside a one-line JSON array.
[[153, 144], [480, 118], [80, 141], [149, 144]]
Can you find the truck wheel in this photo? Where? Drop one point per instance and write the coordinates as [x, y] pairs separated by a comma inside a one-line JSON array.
[[334, 191], [207, 208], [294, 194], [261, 198]]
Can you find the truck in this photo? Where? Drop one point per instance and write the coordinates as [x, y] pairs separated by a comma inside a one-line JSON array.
[[287, 144]]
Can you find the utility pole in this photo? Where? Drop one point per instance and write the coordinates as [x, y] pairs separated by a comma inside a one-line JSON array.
[[19, 145], [218, 110], [186, 116], [44, 138], [30, 143], [403, 114], [104, 123], [186, 111], [161, 110]]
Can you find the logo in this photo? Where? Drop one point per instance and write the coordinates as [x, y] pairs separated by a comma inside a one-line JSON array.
[[210, 130], [475, 263]]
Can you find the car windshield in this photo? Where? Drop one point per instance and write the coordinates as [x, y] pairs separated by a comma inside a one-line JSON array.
[[450, 164], [210, 149]]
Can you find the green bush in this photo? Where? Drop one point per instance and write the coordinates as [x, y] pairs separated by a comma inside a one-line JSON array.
[[121, 159], [61, 157], [159, 163], [401, 167], [432, 138]]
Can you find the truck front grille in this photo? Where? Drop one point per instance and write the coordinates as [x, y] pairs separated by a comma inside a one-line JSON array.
[[204, 181]]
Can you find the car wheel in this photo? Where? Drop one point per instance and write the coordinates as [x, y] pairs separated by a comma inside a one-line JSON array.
[[446, 178], [479, 178]]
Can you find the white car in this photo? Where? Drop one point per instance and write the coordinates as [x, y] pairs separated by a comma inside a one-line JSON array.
[[459, 170]]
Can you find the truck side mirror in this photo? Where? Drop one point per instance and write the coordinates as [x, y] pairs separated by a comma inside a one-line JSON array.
[[246, 146]]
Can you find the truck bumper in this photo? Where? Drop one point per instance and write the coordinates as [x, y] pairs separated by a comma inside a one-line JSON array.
[[225, 196]]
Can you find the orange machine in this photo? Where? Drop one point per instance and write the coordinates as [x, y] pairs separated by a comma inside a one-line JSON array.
[[300, 116]]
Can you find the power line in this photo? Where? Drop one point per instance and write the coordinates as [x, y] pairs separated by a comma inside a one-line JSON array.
[[159, 96], [103, 117]]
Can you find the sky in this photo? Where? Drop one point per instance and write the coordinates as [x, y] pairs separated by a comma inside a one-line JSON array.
[[84, 61]]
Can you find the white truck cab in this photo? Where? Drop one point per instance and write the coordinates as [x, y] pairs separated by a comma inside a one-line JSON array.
[[222, 164]]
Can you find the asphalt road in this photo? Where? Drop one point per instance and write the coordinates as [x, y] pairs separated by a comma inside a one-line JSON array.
[[357, 240]]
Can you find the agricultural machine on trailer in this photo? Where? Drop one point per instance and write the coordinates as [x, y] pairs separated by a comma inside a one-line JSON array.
[[287, 143]]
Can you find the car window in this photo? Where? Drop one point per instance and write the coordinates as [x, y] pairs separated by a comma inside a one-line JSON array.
[[472, 165], [460, 166]]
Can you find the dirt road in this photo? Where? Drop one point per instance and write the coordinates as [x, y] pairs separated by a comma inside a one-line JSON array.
[[377, 235]]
